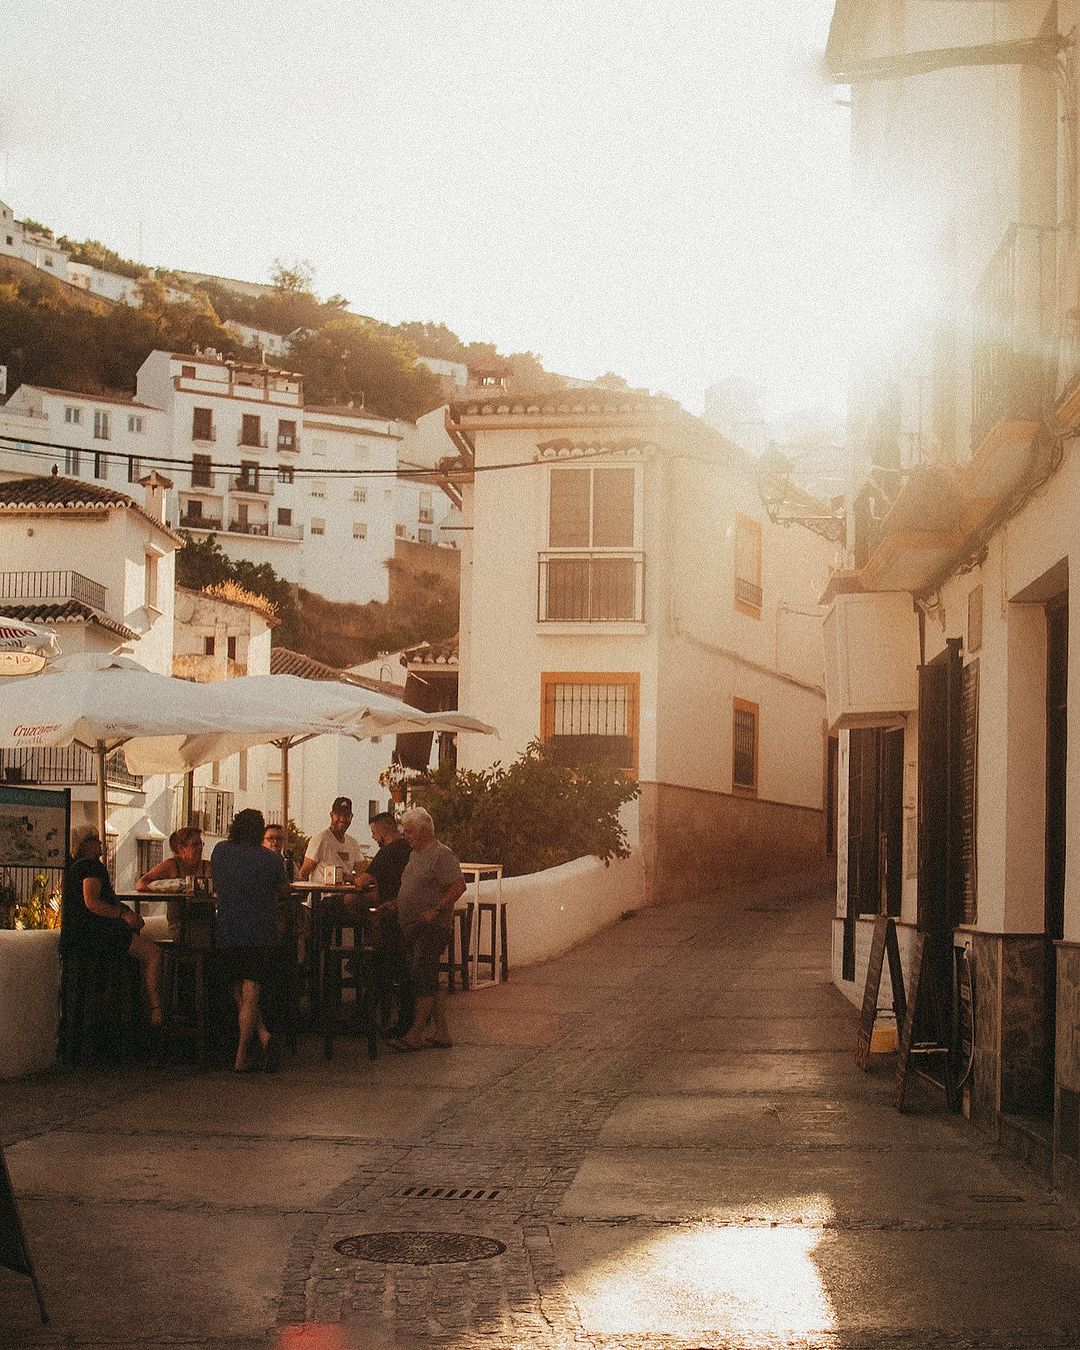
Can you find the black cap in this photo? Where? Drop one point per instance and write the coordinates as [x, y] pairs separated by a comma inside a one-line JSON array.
[[342, 804]]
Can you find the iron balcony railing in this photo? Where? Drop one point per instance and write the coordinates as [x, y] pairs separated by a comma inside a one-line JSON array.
[[1015, 347], [599, 587], [52, 586], [190, 522], [252, 441], [215, 808], [261, 484], [69, 766], [206, 435], [203, 478], [748, 592]]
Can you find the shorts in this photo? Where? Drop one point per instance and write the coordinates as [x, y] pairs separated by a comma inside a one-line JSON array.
[[424, 944], [259, 964]]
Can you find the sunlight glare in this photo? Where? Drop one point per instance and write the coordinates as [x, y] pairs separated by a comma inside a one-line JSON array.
[[750, 1281]]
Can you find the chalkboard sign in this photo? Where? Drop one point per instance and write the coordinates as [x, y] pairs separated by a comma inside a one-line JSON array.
[[923, 990], [884, 943], [13, 1249]]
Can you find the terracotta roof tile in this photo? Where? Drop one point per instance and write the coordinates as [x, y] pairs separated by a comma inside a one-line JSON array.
[[54, 492], [444, 653], [283, 661], [69, 611]]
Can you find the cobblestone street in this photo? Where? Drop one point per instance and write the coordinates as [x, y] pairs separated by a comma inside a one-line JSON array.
[[665, 1128]]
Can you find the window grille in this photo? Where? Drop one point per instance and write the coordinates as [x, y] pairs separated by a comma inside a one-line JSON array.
[[748, 567], [588, 721], [745, 747], [150, 853]]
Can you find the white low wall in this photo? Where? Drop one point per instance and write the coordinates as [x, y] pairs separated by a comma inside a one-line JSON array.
[[549, 912], [29, 1000]]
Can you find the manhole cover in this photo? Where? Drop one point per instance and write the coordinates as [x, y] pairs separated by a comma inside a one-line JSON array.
[[420, 1249]]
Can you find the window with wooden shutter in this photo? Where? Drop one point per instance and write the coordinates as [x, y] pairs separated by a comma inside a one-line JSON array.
[[969, 807], [202, 424], [748, 567]]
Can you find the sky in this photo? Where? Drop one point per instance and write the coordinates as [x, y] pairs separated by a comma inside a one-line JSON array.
[[652, 187]]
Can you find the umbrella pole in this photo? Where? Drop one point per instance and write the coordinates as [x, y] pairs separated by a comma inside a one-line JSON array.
[[102, 791], [284, 785]]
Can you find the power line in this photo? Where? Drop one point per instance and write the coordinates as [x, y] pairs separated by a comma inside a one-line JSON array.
[[313, 471]]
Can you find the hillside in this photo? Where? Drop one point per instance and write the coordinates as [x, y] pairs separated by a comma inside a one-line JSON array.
[[57, 334]]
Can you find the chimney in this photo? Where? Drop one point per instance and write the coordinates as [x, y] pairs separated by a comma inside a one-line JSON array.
[[155, 486]]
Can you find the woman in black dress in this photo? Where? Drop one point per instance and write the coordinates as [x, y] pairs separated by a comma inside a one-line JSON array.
[[95, 922]]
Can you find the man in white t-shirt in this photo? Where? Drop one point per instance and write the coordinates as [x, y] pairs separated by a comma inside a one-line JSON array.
[[335, 847]]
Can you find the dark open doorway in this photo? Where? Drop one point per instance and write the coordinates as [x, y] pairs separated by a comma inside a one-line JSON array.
[[1057, 704]]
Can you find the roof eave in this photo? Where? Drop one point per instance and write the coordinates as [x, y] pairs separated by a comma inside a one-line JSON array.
[[837, 49]]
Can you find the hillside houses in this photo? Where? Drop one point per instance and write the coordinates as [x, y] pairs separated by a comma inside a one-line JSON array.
[[249, 462]]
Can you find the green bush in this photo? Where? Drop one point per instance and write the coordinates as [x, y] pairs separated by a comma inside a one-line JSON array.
[[532, 815]]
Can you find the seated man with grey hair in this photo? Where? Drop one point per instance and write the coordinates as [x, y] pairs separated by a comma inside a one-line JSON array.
[[431, 884]]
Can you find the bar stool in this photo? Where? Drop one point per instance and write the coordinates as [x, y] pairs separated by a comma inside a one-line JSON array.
[[488, 911], [454, 962], [493, 952], [185, 957], [347, 961]]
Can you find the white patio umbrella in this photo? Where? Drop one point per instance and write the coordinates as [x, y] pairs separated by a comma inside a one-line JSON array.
[[25, 647], [285, 710], [101, 709]]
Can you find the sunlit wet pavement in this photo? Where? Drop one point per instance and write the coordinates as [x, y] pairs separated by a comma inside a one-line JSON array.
[[665, 1128]]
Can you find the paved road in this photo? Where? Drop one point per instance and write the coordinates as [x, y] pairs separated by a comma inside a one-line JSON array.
[[664, 1127]]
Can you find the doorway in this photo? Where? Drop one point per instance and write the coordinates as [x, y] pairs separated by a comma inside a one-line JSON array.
[[875, 870], [1057, 703]]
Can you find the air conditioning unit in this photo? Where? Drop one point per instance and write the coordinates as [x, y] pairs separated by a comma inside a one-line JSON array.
[[871, 659]]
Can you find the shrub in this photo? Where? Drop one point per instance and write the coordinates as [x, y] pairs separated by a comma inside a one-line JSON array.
[[535, 814]]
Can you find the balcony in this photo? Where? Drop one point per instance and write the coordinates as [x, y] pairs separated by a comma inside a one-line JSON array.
[[254, 484], [188, 521], [66, 766], [590, 588], [204, 435], [1014, 348], [427, 515], [204, 480], [257, 527], [252, 442], [52, 586]]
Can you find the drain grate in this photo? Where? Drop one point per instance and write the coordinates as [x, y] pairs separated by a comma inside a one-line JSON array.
[[996, 1198], [449, 1192], [420, 1249]]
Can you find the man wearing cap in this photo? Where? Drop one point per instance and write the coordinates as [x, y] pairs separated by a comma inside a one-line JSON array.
[[335, 847]]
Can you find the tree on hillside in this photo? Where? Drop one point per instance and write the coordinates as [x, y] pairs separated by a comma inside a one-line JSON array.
[[97, 254], [351, 360], [296, 278], [48, 338], [432, 339], [203, 562]]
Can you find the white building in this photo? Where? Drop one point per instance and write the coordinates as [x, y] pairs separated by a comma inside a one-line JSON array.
[[32, 244], [313, 491], [109, 285], [623, 597], [92, 564], [948, 633]]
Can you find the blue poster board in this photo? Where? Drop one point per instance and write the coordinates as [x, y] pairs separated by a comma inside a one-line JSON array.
[[35, 825]]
